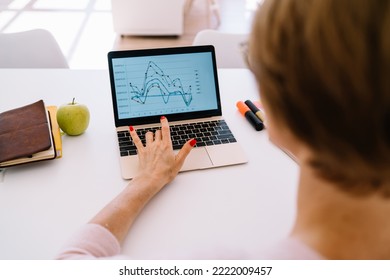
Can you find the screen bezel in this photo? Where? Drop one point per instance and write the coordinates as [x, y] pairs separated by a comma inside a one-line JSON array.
[[163, 51]]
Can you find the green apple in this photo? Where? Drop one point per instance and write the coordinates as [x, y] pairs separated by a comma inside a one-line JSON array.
[[73, 118]]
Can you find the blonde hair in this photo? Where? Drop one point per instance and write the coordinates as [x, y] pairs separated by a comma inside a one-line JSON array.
[[324, 70]]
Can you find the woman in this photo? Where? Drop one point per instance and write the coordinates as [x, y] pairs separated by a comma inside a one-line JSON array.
[[323, 69]]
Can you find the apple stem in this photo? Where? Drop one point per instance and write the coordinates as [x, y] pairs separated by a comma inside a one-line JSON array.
[[73, 101]]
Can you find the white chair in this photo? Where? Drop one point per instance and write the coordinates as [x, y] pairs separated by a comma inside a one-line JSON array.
[[228, 47], [35, 48], [148, 17]]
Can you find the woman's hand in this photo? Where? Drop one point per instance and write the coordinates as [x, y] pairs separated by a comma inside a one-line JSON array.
[[158, 164]]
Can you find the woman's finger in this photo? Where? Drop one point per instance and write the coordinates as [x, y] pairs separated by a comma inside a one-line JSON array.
[[165, 132], [184, 151], [149, 137], [157, 135], [135, 137]]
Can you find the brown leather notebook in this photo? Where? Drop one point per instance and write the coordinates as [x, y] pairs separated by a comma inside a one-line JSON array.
[[24, 132]]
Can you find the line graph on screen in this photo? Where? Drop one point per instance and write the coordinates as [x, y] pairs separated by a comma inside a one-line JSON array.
[[157, 84]]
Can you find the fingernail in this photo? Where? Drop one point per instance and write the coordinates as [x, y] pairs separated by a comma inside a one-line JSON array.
[[131, 128], [162, 117], [193, 142]]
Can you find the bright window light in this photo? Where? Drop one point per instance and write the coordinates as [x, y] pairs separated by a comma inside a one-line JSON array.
[[5, 17], [95, 42], [102, 5], [18, 4], [61, 4]]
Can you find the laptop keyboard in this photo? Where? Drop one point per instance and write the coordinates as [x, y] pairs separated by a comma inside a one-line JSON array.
[[207, 133]]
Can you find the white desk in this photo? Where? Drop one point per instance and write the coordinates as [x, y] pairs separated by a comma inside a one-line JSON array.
[[232, 211]]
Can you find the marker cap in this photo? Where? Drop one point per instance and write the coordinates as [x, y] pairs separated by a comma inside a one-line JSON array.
[[250, 116]]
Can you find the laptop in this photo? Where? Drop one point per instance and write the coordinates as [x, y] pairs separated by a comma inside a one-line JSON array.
[[181, 84]]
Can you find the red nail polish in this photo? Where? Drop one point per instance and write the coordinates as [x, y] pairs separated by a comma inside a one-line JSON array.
[[193, 142], [162, 117], [131, 128]]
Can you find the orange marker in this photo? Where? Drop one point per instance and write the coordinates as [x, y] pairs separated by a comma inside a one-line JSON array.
[[250, 116]]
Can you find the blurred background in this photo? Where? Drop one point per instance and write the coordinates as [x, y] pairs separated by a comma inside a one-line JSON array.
[[85, 31]]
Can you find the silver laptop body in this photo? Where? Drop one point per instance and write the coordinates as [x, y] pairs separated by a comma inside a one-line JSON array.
[[180, 84]]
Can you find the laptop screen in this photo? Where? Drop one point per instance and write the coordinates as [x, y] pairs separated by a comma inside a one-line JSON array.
[[180, 83]]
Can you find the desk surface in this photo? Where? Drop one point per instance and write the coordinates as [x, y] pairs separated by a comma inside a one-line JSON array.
[[202, 214]]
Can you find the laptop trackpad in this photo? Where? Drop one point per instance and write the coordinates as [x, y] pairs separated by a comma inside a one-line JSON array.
[[197, 159]]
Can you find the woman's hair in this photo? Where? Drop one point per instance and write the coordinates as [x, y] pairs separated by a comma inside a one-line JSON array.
[[324, 71]]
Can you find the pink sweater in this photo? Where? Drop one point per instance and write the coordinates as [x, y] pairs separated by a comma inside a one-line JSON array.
[[93, 241]]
